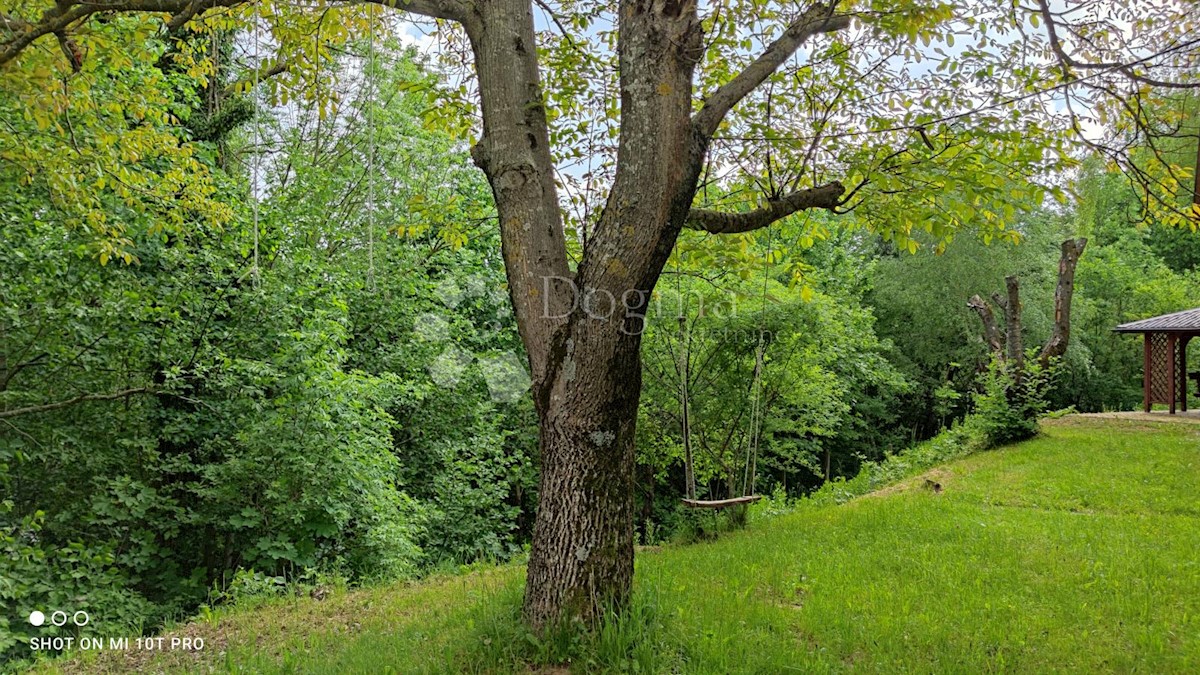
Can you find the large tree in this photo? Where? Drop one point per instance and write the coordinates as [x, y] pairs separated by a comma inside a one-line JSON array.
[[727, 117]]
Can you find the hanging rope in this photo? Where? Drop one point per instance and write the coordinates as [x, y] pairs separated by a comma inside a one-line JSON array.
[[257, 140], [750, 475], [757, 408], [684, 368], [371, 143], [756, 416]]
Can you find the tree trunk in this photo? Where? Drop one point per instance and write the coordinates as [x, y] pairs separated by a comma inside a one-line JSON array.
[[582, 329], [1016, 346], [582, 556], [1056, 344], [1064, 291], [588, 385]]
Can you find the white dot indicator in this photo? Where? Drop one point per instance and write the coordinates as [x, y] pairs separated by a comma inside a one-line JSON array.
[[37, 618]]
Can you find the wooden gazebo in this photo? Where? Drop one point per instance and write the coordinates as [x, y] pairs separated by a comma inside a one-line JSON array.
[[1166, 341]]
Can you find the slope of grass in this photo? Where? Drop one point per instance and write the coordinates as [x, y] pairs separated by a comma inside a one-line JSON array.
[[1076, 551]]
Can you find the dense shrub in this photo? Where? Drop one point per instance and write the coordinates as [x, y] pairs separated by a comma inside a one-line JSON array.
[[1009, 402], [281, 416], [72, 577]]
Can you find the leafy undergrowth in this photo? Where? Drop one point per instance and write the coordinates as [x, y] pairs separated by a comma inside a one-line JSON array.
[[1076, 551]]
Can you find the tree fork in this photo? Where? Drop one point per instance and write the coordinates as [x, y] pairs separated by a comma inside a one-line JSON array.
[[1009, 346], [581, 561]]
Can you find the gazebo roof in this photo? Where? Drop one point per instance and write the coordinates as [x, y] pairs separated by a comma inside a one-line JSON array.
[[1186, 321]]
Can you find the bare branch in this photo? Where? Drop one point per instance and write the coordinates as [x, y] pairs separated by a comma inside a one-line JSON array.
[[72, 401], [1067, 62], [1057, 344], [991, 332], [826, 196], [819, 18], [450, 10], [1001, 302]]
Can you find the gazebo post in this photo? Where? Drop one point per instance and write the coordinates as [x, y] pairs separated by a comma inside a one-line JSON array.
[[1173, 360], [1146, 374], [1183, 389]]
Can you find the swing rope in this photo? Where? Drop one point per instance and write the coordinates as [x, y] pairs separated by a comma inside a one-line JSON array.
[[256, 159], [750, 477], [371, 142], [684, 367]]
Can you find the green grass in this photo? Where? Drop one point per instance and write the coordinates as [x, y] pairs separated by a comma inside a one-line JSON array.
[[1076, 551]]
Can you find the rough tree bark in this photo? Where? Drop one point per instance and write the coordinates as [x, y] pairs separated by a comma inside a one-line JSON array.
[[583, 330], [1012, 313], [585, 351], [1056, 346], [991, 332]]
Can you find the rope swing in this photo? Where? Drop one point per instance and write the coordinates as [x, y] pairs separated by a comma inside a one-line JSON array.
[[750, 467], [684, 369]]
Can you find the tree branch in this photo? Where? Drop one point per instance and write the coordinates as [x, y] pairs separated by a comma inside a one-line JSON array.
[[1056, 346], [991, 332], [1067, 62], [194, 7], [826, 196], [265, 72], [450, 10], [819, 18], [54, 20], [72, 401], [59, 18], [1001, 302]]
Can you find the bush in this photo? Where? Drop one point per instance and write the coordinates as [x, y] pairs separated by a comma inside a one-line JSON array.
[[1009, 403], [77, 577]]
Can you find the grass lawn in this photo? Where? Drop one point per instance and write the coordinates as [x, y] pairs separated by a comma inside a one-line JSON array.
[[1077, 551]]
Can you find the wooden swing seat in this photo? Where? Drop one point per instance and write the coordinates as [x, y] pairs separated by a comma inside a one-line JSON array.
[[720, 503]]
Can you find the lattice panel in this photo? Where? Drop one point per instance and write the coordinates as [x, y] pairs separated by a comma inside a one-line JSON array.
[[1161, 372]]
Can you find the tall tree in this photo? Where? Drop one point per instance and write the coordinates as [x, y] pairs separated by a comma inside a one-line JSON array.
[[745, 88]]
